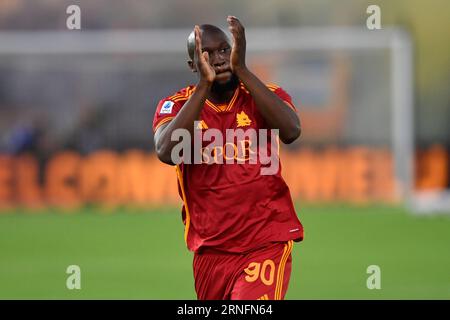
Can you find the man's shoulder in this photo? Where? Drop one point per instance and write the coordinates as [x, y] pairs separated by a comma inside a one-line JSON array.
[[273, 87], [279, 91], [180, 96]]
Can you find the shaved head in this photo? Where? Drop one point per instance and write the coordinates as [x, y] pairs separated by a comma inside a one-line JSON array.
[[205, 29], [217, 45]]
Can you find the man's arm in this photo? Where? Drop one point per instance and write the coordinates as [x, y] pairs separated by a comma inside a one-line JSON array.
[[274, 110], [192, 108]]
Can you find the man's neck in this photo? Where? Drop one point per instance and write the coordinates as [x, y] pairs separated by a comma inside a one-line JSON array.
[[221, 97]]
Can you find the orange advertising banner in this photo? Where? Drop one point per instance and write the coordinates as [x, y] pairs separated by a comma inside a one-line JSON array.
[[356, 174]]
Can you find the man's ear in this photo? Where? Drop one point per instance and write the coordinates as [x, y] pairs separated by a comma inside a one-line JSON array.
[[192, 66]]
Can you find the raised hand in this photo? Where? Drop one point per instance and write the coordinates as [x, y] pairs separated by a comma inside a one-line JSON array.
[[205, 70], [237, 58]]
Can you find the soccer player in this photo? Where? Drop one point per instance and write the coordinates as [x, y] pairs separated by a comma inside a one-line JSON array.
[[240, 224]]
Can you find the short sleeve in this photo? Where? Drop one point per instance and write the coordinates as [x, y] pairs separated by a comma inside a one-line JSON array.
[[283, 95], [165, 112]]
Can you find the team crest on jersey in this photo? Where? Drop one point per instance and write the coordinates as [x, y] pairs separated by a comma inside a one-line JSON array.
[[166, 107], [242, 119]]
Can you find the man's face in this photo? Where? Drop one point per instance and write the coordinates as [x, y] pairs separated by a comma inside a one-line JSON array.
[[219, 49]]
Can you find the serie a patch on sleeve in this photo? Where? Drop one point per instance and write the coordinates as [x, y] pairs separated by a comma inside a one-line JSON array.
[[166, 108]]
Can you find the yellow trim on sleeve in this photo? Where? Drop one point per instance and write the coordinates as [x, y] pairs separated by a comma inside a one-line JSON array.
[[161, 122], [175, 96], [182, 96], [272, 86], [290, 105]]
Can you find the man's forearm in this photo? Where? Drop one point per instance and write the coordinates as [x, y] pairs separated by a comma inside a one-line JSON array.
[[275, 111]]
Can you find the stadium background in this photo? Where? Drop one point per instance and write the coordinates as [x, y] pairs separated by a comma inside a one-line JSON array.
[[79, 183]]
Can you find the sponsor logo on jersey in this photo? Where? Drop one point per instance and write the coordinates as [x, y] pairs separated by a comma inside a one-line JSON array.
[[166, 107]]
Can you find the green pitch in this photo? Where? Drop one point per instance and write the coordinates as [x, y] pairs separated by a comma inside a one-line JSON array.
[[138, 254]]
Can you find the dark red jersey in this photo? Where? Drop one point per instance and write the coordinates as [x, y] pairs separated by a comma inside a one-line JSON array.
[[231, 207]]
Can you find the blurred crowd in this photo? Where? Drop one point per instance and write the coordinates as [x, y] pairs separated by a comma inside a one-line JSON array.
[[98, 109]]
